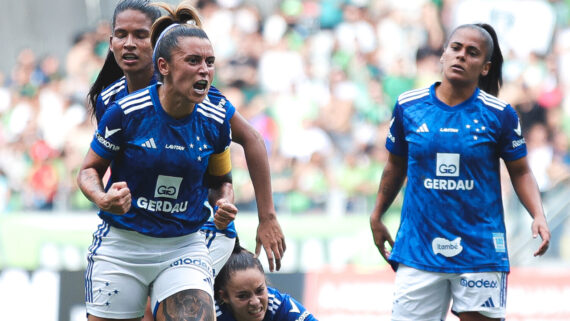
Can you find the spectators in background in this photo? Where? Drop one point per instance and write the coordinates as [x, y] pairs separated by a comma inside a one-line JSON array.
[[318, 79]]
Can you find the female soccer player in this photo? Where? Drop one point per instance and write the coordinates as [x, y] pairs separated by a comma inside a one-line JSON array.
[[159, 142], [447, 140], [242, 293], [128, 67]]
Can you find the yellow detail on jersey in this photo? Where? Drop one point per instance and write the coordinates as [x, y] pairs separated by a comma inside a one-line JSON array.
[[220, 164]]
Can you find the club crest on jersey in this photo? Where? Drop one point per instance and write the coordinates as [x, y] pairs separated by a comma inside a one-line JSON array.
[[446, 247], [167, 186]]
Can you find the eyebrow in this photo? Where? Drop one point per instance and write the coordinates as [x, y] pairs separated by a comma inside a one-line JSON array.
[[137, 29], [200, 56], [463, 45]]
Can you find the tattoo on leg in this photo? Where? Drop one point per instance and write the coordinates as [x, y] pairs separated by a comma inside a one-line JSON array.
[[188, 305]]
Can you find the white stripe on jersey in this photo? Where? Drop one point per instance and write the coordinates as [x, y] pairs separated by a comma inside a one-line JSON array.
[[412, 95], [135, 102], [218, 110], [137, 107], [273, 303], [412, 92], [110, 91], [128, 100], [218, 310], [107, 90], [491, 101], [205, 112], [208, 103]]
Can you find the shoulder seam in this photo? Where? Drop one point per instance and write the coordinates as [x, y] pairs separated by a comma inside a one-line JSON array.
[[113, 89], [491, 101], [413, 95], [136, 101], [215, 112]]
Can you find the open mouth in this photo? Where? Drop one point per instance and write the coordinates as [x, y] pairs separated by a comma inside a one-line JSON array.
[[257, 312], [130, 57], [200, 86]]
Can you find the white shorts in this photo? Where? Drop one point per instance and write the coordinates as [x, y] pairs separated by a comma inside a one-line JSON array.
[[125, 267], [423, 295], [220, 247]]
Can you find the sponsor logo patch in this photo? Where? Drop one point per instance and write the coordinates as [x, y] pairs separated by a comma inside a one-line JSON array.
[[518, 142], [446, 247], [478, 283], [447, 164], [167, 186], [107, 143], [499, 242], [110, 132]]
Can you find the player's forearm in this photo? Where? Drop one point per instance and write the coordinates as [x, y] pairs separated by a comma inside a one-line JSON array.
[[91, 185], [258, 165], [222, 189], [525, 186], [392, 180]]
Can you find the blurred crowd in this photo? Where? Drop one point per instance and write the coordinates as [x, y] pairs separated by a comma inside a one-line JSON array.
[[318, 79]]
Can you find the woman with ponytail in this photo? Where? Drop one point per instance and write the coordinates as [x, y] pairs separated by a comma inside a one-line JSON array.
[[447, 140], [160, 142], [242, 293], [129, 67]]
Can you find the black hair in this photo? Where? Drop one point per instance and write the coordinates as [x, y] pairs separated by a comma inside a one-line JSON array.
[[492, 82], [187, 24], [111, 70], [240, 260]]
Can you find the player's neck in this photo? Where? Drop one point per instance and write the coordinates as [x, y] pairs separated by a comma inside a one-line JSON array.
[[453, 95], [174, 105], [136, 81]]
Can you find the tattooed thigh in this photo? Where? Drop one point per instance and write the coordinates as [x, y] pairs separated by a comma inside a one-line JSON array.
[[187, 305]]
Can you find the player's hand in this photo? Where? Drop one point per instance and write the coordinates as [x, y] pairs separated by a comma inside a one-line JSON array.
[[225, 214], [540, 227], [270, 236], [117, 199], [381, 235]]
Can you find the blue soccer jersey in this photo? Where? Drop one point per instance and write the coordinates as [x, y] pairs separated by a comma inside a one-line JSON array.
[[452, 217], [280, 307], [110, 94], [162, 159]]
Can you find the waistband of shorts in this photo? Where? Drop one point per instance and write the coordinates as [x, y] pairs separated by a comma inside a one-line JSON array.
[[152, 241]]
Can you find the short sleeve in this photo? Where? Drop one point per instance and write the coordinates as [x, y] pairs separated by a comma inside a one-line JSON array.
[[108, 138], [512, 145], [295, 310], [396, 141], [100, 108], [221, 103]]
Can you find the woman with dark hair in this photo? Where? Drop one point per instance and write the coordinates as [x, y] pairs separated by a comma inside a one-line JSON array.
[[160, 142], [447, 140], [129, 67], [242, 293]]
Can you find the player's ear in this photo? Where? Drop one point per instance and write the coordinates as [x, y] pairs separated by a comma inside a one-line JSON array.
[[223, 296], [162, 64]]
